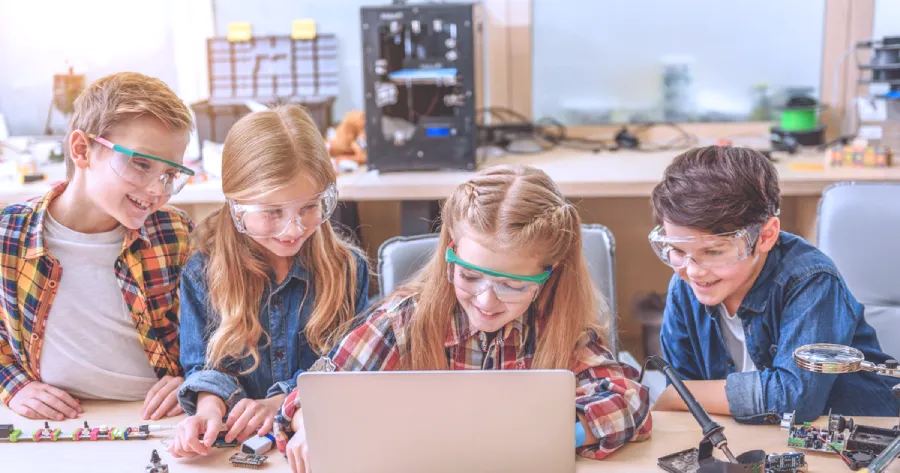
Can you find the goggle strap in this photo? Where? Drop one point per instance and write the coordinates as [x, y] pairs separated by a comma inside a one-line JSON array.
[[450, 257]]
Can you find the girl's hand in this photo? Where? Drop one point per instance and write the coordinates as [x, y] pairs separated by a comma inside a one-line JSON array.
[[297, 450], [249, 417], [207, 422]]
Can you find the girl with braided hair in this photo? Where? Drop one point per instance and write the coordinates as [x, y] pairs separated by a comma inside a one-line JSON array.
[[508, 288]]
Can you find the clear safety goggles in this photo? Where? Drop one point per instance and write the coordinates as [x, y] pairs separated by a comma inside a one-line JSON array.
[[145, 170], [475, 280], [272, 220], [709, 251]]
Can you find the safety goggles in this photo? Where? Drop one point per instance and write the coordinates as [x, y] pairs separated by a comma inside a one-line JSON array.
[[272, 220], [474, 280], [144, 170], [709, 251]]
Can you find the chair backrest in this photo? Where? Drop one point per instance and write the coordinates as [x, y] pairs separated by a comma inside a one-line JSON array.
[[400, 257], [857, 227]]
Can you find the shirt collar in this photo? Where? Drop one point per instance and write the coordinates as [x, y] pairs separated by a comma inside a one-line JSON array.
[[298, 271], [758, 296], [34, 237]]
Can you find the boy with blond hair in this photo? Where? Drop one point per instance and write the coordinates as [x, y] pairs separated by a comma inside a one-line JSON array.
[[90, 271]]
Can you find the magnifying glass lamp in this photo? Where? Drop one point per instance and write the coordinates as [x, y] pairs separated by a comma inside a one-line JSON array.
[[828, 358]]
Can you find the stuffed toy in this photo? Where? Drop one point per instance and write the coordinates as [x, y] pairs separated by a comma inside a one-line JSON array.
[[349, 140]]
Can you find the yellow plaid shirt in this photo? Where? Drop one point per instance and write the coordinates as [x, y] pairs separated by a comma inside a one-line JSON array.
[[148, 272]]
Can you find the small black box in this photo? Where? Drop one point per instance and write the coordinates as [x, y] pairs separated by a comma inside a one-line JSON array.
[[422, 77]]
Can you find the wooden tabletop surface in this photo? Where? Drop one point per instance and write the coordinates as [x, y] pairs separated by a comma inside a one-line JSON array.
[[672, 432]]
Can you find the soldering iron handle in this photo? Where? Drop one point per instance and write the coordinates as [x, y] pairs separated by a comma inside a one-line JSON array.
[[708, 425]]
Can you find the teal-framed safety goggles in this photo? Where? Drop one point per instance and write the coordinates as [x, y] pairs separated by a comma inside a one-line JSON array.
[[138, 169], [451, 257]]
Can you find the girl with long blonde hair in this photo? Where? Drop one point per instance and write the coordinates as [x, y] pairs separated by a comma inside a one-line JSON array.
[[508, 288], [271, 286]]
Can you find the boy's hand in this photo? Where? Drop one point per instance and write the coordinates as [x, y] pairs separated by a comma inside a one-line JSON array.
[[249, 417], [162, 400], [42, 401], [207, 422]]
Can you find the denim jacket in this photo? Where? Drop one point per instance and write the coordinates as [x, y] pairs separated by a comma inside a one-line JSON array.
[[283, 314], [798, 298]]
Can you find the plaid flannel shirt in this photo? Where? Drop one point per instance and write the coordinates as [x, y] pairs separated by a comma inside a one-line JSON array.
[[616, 406], [148, 270]]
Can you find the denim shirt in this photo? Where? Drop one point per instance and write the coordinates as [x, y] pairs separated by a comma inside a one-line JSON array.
[[798, 298], [283, 314]]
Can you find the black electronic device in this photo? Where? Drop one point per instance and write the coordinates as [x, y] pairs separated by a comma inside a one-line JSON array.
[[422, 77], [885, 63]]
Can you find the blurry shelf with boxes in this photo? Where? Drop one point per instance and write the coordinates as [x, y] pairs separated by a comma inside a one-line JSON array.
[[268, 70]]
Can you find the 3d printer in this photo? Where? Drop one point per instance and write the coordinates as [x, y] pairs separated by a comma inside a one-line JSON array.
[[422, 74]]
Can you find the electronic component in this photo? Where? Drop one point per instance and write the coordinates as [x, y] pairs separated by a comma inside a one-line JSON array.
[[257, 444], [835, 438], [8, 433], [156, 465], [868, 439], [247, 460], [220, 441], [825, 439], [422, 80], [785, 463], [885, 458], [857, 460]]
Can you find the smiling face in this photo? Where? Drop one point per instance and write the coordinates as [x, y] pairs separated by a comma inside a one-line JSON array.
[[128, 203], [485, 311]]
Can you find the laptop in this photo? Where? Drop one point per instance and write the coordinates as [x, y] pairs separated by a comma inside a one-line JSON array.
[[520, 421]]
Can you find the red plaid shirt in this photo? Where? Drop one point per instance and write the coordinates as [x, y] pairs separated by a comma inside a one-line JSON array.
[[615, 405], [148, 270]]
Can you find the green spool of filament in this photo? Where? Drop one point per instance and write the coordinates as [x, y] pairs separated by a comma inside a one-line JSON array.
[[799, 119]]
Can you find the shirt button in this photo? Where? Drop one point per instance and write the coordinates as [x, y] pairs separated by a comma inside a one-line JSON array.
[[279, 355]]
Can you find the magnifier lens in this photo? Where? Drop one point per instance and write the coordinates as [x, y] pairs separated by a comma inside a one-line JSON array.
[[828, 358]]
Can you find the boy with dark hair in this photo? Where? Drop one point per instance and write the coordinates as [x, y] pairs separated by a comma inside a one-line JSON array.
[[746, 294]]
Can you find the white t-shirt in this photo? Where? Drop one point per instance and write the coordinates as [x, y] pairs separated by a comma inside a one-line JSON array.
[[91, 348], [733, 333]]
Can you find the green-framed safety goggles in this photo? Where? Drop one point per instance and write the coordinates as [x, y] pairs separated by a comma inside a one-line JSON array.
[[451, 257]]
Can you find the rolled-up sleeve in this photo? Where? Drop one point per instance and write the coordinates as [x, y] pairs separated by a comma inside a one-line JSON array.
[[194, 338], [615, 405]]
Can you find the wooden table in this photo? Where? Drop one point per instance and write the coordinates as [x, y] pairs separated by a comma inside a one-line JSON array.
[[672, 432]]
